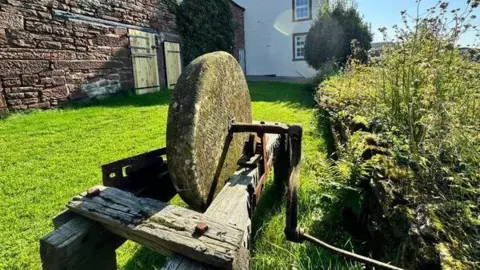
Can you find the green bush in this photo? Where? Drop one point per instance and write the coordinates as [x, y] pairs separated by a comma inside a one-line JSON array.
[[329, 39], [204, 26], [423, 98]]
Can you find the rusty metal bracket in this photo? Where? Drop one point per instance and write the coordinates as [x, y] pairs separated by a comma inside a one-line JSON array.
[[145, 174], [291, 144]]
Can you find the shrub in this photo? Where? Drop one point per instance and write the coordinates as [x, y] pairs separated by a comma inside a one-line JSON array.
[[332, 32], [205, 26], [424, 99]]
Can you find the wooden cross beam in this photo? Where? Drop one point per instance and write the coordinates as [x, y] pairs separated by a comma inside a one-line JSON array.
[[161, 227]]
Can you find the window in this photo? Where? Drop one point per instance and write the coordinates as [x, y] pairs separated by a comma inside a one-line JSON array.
[[302, 10], [299, 46]]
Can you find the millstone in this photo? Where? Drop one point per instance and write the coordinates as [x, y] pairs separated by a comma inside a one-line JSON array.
[[209, 94]]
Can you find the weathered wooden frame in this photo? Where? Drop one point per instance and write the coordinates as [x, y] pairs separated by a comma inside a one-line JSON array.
[[79, 243]]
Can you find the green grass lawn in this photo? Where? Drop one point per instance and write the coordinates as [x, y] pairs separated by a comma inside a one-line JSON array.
[[47, 157]]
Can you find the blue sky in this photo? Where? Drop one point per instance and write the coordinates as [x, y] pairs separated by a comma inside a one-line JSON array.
[[387, 13]]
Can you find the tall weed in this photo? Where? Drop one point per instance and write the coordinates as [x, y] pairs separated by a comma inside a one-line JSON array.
[[423, 97]]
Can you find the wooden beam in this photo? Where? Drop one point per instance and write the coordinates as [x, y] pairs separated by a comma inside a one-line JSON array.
[[231, 205], [161, 227], [69, 16], [79, 244]]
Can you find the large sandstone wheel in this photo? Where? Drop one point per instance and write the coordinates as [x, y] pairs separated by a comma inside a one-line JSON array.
[[210, 93]]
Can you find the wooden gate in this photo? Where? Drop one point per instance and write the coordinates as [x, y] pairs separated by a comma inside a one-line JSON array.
[[173, 63], [143, 47]]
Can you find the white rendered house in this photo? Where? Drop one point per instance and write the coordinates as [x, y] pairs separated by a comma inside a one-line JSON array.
[[275, 32]]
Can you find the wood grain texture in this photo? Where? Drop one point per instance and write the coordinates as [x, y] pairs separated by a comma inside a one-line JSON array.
[[173, 63], [231, 205], [144, 60], [79, 244], [161, 227]]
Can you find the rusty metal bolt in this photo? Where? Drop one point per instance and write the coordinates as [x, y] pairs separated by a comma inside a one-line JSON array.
[[201, 228], [92, 192]]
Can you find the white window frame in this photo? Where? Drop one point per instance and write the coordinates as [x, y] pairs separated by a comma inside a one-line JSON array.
[[297, 57], [296, 7]]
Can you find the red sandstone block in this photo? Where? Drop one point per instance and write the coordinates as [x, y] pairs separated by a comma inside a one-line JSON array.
[[59, 92], [120, 31], [14, 102], [22, 89], [10, 83], [112, 41], [44, 15], [11, 67], [3, 37], [53, 81], [29, 79], [61, 31], [64, 39], [31, 94], [15, 95], [92, 56], [23, 43], [33, 54], [66, 46], [11, 20], [100, 49], [50, 73], [49, 45], [87, 64], [81, 42], [3, 103], [29, 101], [42, 105], [38, 27]]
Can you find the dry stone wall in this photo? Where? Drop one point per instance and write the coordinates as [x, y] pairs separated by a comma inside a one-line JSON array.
[[47, 59]]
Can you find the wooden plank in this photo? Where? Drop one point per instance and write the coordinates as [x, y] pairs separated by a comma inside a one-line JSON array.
[[161, 227], [80, 243], [173, 63], [144, 60], [68, 16], [63, 218], [232, 205]]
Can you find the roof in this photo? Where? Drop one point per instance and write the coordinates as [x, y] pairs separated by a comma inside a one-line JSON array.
[[237, 5]]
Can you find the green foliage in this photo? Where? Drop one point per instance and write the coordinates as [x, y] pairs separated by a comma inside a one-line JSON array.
[[423, 97], [332, 32], [205, 26]]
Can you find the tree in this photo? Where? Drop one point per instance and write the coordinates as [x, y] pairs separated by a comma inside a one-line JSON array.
[[329, 39], [205, 26]]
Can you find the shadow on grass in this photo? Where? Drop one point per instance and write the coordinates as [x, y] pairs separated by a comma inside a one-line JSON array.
[[145, 258], [335, 228], [323, 125], [298, 95], [125, 99], [269, 205]]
